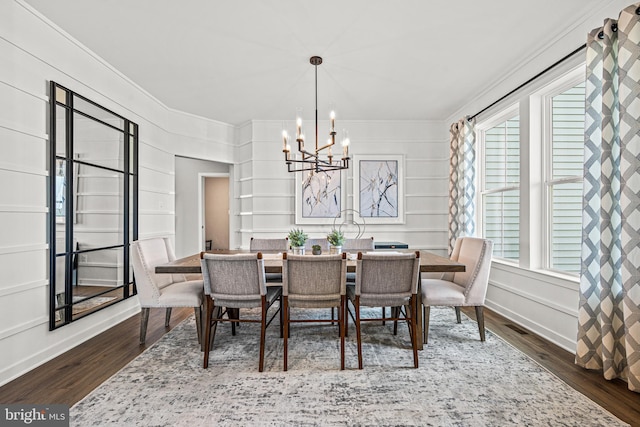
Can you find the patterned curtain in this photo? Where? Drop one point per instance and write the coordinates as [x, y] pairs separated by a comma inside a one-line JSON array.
[[609, 311], [462, 175]]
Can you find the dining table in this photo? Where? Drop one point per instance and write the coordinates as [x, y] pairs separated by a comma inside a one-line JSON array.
[[429, 263]]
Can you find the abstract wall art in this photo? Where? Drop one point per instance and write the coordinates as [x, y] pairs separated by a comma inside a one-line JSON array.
[[319, 197], [378, 189]]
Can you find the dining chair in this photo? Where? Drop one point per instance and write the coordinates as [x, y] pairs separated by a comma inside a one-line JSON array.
[[387, 280], [366, 244], [463, 289], [270, 246], [162, 290], [314, 282], [236, 282], [323, 243]]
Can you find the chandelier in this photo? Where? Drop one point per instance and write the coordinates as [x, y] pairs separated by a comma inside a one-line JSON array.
[[317, 160]]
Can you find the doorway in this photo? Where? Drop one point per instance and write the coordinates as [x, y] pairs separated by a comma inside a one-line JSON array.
[[215, 224]]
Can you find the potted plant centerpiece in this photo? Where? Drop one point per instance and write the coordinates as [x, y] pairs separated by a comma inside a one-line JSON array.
[[297, 239], [336, 240], [316, 250]]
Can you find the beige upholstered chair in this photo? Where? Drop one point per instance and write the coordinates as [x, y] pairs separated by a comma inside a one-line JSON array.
[[314, 282], [235, 282], [387, 280], [467, 288], [270, 246], [162, 290]]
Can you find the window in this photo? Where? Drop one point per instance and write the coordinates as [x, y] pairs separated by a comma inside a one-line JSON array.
[[500, 183], [563, 181], [530, 174]]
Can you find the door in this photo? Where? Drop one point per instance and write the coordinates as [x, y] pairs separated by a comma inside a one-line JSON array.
[[216, 212]]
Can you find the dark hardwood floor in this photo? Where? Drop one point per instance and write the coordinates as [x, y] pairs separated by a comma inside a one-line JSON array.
[[71, 376]]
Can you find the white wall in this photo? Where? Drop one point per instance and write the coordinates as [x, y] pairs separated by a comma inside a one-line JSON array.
[[265, 195], [543, 302], [32, 52], [187, 202]]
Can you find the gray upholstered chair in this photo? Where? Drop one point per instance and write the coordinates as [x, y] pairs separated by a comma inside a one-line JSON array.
[[357, 245], [353, 245], [314, 282], [323, 243], [270, 246], [467, 288], [236, 282], [387, 280], [162, 290]]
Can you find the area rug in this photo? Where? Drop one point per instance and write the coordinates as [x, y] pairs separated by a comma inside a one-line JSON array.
[[461, 381]]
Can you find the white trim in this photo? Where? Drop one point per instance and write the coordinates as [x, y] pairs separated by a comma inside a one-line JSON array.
[[556, 87]]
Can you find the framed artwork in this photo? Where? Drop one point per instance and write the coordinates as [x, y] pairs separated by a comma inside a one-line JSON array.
[[319, 197], [378, 189]]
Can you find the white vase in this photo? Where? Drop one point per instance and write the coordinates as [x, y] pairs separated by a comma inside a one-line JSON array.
[[335, 249], [297, 250]]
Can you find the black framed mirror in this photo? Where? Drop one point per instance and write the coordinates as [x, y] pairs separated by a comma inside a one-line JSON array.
[[93, 206]]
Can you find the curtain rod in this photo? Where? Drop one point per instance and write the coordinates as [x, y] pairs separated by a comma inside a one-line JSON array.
[[558, 62]]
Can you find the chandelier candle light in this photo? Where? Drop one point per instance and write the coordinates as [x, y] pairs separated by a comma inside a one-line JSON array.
[[314, 161]]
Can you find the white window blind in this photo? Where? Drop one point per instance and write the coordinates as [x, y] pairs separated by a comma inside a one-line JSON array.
[[564, 183], [500, 192]]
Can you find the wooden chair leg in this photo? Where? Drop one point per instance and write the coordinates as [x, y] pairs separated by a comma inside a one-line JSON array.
[[346, 317], [356, 306], [286, 329], [197, 312], [480, 319], [425, 329], [233, 313], [281, 318], [384, 315], [263, 328], [217, 314], [413, 329], [207, 332], [167, 317], [395, 315], [458, 317], [144, 320], [341, 324]]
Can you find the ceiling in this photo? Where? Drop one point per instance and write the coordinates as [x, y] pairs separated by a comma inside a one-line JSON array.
[[238, 60]]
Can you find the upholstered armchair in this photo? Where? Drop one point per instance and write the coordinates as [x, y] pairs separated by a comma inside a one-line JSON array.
[[463, 289], [387, 280], [162, 290]]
